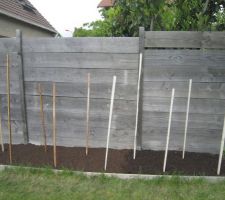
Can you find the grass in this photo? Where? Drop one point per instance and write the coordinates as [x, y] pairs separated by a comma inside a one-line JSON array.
[[44, 184]]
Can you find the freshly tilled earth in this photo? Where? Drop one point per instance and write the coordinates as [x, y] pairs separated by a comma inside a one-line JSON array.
[[119, 161]]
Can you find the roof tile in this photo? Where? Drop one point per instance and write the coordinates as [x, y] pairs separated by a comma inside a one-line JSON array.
[[16, 8]]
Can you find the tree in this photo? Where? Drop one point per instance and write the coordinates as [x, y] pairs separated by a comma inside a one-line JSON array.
[[127, 15]]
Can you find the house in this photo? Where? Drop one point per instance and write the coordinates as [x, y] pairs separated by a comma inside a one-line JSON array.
[[106, 3], [21, 14]]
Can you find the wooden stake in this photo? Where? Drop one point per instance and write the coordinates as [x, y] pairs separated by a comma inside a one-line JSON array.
[[88, 113], [110, 119], [221, 149], [137, 106], [1, 135], [187, 115], [168, 131], [54, 124], [9, 114], [42, 117]]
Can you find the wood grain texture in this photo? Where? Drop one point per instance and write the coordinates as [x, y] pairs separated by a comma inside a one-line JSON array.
[[86, 44], [198, 140], [8, 45], [200, 121], [126, 77], [204, 90], [185, 39], [201, 106], [81, 60], [98, 90]]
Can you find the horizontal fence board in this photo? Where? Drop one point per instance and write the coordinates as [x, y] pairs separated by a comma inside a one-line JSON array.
[[81, 60], [198, 140], [199, 90], [78, 105], [12, 58], [8, 45], [14, 87], [184, 73], [86, 44], [184, 39], [119, 121], [120, 141], [103, 76], [200, 121], [183, 58], [97, 90], [13, 74], [201, 106]]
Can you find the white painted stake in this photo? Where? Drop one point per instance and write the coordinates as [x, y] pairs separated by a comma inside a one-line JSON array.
[[110, 120], [88, 114], [137, 106], [168, 131], [221, 149], [187, 115]]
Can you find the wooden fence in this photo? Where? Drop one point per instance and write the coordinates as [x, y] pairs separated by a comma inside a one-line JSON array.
[[170, 60]]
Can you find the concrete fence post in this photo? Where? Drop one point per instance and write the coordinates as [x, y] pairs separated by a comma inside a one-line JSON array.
[[23, 108]]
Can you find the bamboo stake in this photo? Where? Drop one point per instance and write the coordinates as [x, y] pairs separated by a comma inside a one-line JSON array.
[[168, 131], [1, 135], [54, 124], [137, 106], [88, 113], [9, 114], [42, 116], [187, 115], [110, 120], [221, 149]]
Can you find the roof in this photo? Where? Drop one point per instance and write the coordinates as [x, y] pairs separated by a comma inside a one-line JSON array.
[[106, 3], [24, 11]]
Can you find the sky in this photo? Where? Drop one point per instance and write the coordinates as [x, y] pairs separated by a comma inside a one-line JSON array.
[[67, 14]]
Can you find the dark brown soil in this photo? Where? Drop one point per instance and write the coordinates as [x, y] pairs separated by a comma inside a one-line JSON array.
[[119, 161]]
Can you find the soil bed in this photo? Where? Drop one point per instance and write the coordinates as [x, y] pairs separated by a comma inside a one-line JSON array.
[[119, 161]]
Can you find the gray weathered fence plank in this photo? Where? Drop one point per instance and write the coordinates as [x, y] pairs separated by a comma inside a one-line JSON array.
[[205, 90], [177, 73], [86, 44], [200, 121], [198, 140], [98, 90], [125, 77], [8, 45], [81, 60], [185, 39], [201, 106], [183, 58]]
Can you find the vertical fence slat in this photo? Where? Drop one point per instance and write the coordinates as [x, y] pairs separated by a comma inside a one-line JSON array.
[[22, 86]]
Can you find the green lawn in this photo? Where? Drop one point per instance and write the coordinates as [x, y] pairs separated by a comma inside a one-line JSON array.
[[43, 184]]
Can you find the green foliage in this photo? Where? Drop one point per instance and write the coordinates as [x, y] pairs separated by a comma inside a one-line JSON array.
[[125, 18]]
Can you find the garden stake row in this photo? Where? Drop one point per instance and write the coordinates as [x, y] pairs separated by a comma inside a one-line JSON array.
[[187, 115], [137, 108], [42, 116], [88, 113], [168, 131], [110, 120], [1, 136], [9, 114], [54, 124]]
